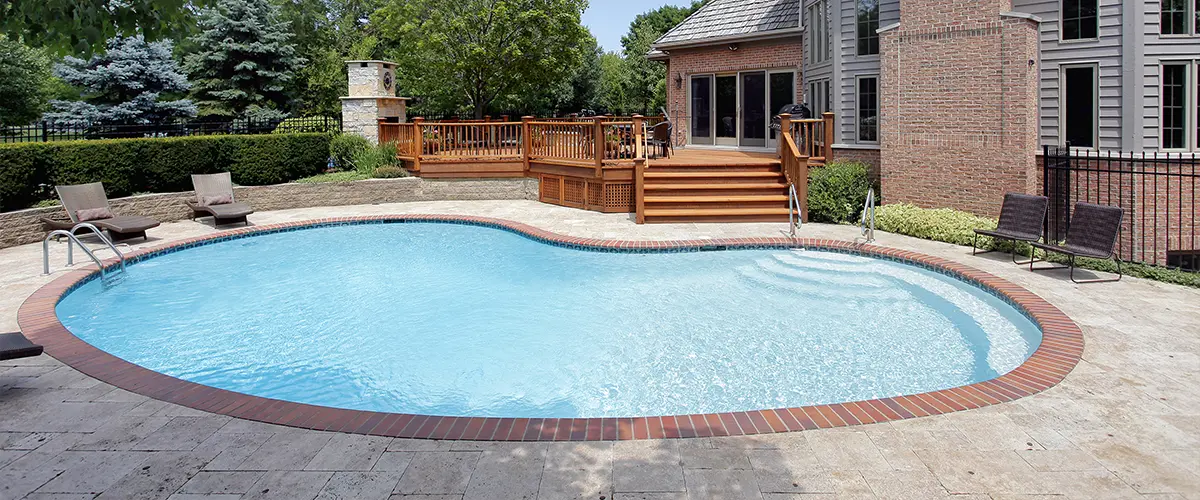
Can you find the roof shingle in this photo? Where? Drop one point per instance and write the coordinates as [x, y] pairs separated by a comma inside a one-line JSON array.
[[726, 18]]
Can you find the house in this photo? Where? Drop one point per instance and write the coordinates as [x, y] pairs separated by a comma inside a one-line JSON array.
[[952, 101]]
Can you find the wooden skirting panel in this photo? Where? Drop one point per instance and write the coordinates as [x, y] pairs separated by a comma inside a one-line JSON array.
[[472, 169], [586, 193]]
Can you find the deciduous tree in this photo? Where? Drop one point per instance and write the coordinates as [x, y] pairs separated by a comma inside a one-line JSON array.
[[81, 26], [23, 76]]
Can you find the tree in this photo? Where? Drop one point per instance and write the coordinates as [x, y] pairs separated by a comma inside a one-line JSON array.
[[327, 33], [614, 79], [23, 90], [83, 25], [244, 60], [647, 91], [125, 85], [470, 53]]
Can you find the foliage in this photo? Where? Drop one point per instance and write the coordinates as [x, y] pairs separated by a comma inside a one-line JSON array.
[[23, 90], [81, 26], [953, 226], [390, 172], [836, 192], [479, 51], [367, 160], [334, 177], [244, 59], [124, 85], [344, 148], [129, 166], [307, 125], [614, 80], [647, 91], [326, 33]]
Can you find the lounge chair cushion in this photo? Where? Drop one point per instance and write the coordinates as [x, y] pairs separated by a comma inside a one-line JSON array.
[[219, 199], [15, 345], [90, 214]]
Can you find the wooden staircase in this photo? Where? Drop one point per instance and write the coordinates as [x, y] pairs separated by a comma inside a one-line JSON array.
[[727, 192]]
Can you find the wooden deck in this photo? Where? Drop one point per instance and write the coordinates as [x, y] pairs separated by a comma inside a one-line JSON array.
[[696, 156]]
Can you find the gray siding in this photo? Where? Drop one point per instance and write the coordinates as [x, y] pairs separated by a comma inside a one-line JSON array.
[[1106, 53], [1158, 49], [853, 65]]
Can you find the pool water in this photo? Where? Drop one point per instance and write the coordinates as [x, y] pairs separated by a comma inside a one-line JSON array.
[[458, 320]]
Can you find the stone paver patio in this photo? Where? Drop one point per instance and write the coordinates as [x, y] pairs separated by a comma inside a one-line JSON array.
[[1124, 424]]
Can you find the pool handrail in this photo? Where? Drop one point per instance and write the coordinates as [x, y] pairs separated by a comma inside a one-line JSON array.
[[868, 216], [794, 222], [73, 240]]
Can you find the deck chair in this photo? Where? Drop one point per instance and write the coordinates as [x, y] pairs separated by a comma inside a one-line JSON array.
[[1093, 233], [15, 345], [660, 139], [88, 203], [214, 198], [1022, 218]]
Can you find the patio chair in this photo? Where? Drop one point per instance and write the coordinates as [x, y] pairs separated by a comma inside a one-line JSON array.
[[88, 203], [1093, 233], [214, 198], [1022, 217], [15, 345], [660, 138]]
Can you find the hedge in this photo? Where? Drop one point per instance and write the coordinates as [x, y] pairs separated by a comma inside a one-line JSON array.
[[28, 171], [837, 192]]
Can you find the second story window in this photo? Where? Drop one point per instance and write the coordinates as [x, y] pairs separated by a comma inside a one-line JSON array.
[[868, 27], [1080, 20], [818, 33], [1179, 17]]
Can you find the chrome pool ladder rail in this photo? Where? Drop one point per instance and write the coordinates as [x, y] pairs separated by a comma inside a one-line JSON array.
[[868, 216], [794, 220], [73, 240]]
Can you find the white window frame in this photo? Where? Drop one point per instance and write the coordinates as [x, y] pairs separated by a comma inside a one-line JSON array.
[[1191, 99], [858, 118], [1062, 9], [1189, 22], [1062, 102], [819, 42]]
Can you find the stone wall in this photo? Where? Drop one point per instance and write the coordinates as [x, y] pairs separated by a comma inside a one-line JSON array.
[[24, 226], [361, 117], [959, 105]]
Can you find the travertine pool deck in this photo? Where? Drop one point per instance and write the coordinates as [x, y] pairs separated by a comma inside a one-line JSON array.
[[1125, 423]]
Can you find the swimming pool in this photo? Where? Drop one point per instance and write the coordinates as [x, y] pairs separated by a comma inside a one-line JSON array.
[[462, 320]]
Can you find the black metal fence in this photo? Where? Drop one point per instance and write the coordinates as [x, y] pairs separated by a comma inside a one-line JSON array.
[[1156, 190], [46, 131]]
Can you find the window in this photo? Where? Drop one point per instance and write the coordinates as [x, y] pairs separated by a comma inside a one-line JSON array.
[[818, 32], [1079, 101], [1179, 17], [868, 27], [818, 97], [1175, 109], [1080, 20], [868, 108]]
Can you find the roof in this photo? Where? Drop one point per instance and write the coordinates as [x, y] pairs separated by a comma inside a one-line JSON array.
[[728, 19]]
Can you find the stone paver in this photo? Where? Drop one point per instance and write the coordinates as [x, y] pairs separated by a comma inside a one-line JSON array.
[[1124, 424]]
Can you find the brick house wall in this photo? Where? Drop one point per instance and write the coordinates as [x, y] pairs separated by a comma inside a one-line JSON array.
[[958, 105], [783, 53]]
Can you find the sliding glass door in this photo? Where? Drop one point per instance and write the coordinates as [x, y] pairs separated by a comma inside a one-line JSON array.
[[736, 109], [701, 104]]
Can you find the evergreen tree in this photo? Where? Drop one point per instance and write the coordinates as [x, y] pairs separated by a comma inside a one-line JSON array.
[[244, 61], [125, 85], [23, 77]]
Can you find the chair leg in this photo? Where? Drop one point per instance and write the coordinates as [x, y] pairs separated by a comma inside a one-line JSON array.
[[975, 246], [1031, 260], [1099, 280]]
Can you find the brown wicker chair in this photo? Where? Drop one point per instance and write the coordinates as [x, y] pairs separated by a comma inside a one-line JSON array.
[[217, 185], [660, 138], [91, 197], [15, 345], [1093, 233], [1022, 217]]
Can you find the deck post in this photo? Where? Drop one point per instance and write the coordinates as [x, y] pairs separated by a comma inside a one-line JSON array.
[[418, 142], [526, 142], [639, 189], [785, 127], [828, 150], [600, 144]]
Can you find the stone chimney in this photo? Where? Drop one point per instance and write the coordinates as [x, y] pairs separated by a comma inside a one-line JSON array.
[[372, 96]]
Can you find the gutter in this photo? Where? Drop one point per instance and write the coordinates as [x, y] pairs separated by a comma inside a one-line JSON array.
[[747, 37]]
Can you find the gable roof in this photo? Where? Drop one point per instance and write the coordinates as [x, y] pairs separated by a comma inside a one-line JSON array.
[[729, 19]]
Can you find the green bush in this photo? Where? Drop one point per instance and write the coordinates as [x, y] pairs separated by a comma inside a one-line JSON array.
[[343, 148], [308, 125], [837, 191], [366, 161], [334, 177], [390, 172], [128, 166]]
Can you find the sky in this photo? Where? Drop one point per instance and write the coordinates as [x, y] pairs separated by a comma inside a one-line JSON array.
[[609, 19]]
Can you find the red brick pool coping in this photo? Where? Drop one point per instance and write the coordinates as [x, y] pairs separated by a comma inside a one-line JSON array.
[[1060, 351]]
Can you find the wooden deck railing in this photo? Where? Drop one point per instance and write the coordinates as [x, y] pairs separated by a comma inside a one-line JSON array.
[[794, 164], [813, 136]]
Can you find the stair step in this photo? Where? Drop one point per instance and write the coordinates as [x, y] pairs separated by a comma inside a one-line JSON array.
[[706, 175], [714, 212], [725, 185], [750, 198]]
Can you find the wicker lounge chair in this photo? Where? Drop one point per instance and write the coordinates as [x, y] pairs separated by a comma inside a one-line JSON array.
[[1022, 218], [1093, 233], [660, 139], [15, 345], [88, 203], [214, 198]]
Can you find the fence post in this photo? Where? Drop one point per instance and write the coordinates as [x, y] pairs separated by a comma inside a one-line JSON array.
[[600, 145], [418, 143], [828, 149], [526, 142], [45, 134]]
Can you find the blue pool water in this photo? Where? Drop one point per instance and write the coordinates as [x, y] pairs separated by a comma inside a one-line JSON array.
[[459, 320]]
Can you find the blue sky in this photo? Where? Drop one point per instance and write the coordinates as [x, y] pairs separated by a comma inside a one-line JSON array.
[[609, 19]]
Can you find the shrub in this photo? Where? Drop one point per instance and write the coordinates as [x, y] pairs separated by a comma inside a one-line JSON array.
[[366, 161], [334, 177], [390, 172], [127, 166], [837, 191], [343, 148], [308, 125]]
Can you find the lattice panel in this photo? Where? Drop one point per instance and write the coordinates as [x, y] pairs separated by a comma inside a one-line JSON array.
[[573, 191], [618, 196], [595, 195], [550, 189]]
